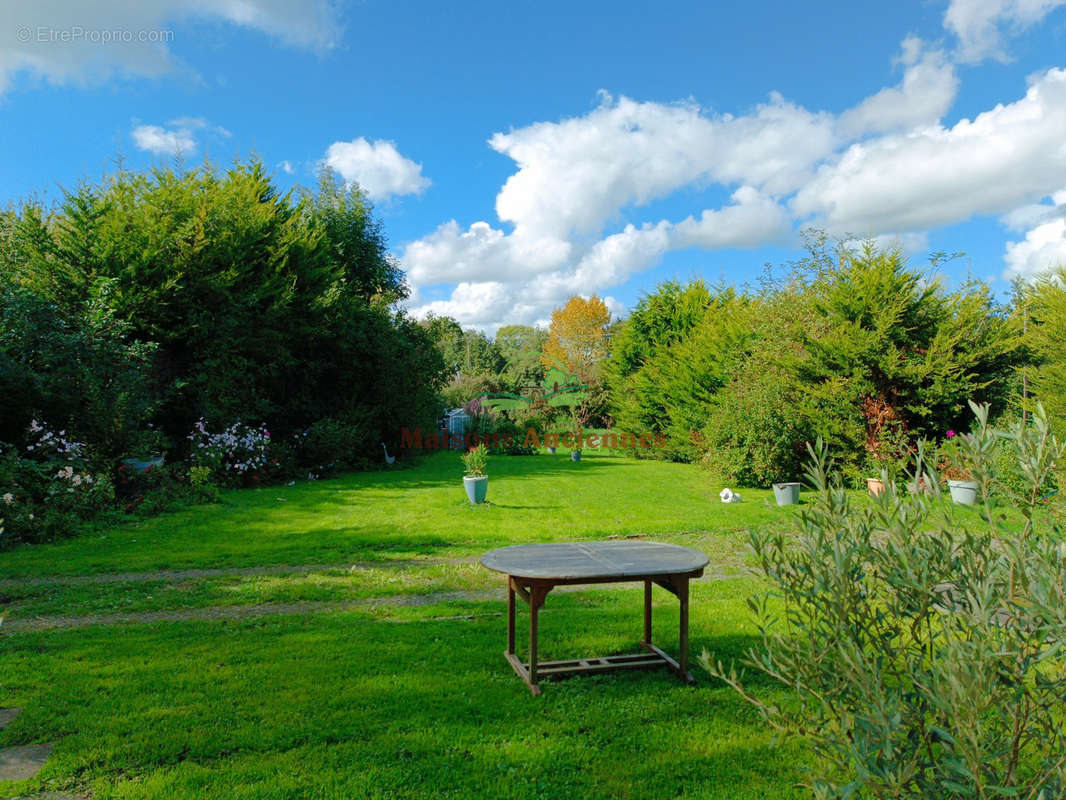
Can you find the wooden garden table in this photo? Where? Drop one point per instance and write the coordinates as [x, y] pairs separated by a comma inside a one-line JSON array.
[[533, 570]]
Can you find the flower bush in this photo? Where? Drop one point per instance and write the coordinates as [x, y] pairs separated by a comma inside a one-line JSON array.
[[240, 454], [49, 486]]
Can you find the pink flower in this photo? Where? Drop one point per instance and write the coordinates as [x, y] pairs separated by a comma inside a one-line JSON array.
[[950, 434]]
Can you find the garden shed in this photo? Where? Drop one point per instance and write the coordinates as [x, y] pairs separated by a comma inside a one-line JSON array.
[[455, 421]]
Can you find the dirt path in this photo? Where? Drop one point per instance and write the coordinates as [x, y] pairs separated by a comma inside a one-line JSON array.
[[224, 572], [45, 623]]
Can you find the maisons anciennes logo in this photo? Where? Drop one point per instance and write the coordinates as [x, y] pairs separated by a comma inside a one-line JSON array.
[[560, 389]]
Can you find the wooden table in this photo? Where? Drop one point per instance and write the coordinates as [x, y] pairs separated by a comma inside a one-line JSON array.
[[534, 570]]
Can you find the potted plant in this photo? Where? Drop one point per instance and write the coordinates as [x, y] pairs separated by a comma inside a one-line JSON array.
[[887, 457], [787, 494], [475, 480], [576, 437], [149, 445], [956, 471]]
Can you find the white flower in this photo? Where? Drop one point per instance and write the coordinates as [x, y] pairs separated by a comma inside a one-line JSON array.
[[76, 480], [9, 498]]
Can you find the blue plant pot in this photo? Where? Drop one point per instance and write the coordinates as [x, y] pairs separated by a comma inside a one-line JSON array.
[[142, 465], [476, 488]]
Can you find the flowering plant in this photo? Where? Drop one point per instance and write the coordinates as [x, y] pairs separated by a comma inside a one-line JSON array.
[[48, 485], [240, 452]]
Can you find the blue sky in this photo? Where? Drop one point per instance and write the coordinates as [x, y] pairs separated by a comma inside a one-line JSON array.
[[523, 152]]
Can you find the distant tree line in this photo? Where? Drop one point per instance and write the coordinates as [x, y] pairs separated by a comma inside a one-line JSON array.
[[852, 345]]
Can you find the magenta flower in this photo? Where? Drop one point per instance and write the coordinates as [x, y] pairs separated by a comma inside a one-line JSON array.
[[950, 434]]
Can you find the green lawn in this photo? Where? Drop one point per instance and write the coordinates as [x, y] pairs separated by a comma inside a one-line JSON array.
[[391, 681]]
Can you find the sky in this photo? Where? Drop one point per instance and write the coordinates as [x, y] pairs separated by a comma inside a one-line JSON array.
[[519, 153]]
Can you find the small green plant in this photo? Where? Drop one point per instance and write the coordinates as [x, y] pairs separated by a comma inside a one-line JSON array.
[[474, 461], [201, 484], [925, 651]]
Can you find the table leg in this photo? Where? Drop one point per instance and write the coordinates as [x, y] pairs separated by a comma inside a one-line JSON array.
[[682, 595], [533, 607], [510, 618], [647, 612]]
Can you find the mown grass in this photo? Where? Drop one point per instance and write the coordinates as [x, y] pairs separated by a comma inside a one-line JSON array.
[[387, 705], [417, 512], [390, 700]]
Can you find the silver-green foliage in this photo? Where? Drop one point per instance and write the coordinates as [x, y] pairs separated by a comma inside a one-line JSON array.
[[924, 647]]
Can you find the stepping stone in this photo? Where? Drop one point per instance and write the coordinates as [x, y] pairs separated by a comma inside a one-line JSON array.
[[20, 763], [7, 716]]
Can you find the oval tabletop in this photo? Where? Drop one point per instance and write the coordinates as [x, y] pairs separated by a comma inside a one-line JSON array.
[[577, 560]]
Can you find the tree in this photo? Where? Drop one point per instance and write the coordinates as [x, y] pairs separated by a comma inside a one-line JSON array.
[[255, 305], [892, 357], [520, 347], [355, 240], [468, 353], [578, 343], [1045, 304], [577, 338]]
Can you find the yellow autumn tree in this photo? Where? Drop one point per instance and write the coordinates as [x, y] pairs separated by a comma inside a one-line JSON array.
[[577, 338]]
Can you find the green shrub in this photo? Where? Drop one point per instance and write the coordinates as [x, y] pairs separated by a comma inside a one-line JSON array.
[[331, 445], [925, 651], [753, 435]]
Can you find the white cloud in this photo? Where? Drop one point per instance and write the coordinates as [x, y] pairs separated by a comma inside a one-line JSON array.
[[1029, 216], [925, 94], [54, 41], [754, 219], [529, 277], [979, 24], [378, 167], [574, 176], [887, 169], [933, 176], [1043, 248], [161, 141], [479, 253], [473, 303], [286, 167], [177, 138]]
